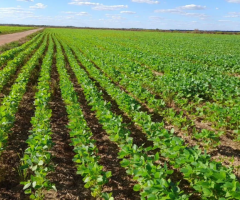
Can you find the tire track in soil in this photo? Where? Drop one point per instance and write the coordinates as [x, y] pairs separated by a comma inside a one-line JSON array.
[[10, 179], [120, 184], [69, 185]]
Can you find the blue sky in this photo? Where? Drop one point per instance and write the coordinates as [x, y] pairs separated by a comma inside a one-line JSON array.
[[161, 14]]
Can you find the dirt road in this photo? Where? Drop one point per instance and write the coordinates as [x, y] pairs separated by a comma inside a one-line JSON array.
[[5, 39]]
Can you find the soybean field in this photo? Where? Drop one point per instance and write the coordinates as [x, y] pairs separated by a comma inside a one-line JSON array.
[[106, 114]]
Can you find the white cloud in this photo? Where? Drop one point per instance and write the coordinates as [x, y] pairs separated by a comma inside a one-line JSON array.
[[145, 1], [69, 12], [115, 17], [76, 13], [156, 18], [70, 17], [182, 11], [168, 11], [109, 8], [26, 0], [233, 1], [82, 13], [83, 3], [233, 14], [217, 8], [224, 20], [192, 7], [127, 12], [198, 15], [97, 6], [14, 10], [38, 6]]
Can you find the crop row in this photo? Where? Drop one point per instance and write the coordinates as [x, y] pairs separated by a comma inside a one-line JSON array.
[[13, 65], [134, 86], [11, 102], [36, 158], [220, 52], [86, 158], [204, 79], [196, 167], [153, 179], [224, 114], [10, 54]]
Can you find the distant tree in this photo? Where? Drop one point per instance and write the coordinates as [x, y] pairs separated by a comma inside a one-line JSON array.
[[196, 31]]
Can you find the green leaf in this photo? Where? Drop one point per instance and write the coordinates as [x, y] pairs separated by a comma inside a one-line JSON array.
[[26, 186], [100, 179], [28, 191], [207, 192], [108, 174], [34, 168], [87, 179], [40, 162], [54, 187], [34, 184], [137, 187], [156, 157]]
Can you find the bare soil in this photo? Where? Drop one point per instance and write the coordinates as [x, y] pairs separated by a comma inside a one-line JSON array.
[[7, 88], [10, 178], [5, 39]]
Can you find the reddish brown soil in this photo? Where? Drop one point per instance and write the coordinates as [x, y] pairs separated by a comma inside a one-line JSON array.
[[4, 39]]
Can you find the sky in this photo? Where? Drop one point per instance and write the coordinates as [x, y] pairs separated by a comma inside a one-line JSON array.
[[149, 14]]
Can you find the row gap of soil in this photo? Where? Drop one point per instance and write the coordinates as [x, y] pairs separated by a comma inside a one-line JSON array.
[[7, 88], [139, 137], [120, 184], [70, 186], [10, 176]]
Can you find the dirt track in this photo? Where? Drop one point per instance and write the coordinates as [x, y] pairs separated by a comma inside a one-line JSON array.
[[5, 39]]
